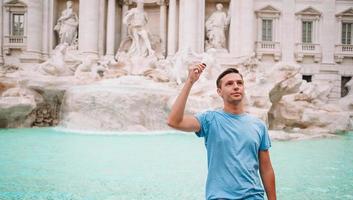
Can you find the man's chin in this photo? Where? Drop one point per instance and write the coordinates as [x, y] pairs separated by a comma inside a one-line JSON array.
[[236, 101]]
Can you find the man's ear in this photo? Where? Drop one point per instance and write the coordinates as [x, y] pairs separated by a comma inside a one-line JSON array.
[[219, 91]]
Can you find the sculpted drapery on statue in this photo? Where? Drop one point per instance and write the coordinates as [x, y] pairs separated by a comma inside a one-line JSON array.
[[216, 25], [136, 20], [67, 25]]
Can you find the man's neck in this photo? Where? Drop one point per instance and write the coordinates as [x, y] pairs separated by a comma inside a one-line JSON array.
[[234, 108]]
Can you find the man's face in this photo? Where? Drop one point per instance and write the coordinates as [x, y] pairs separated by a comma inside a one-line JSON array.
[[232, 88]]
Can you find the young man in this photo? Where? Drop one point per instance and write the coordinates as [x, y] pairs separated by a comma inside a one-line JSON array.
[[237, 143]]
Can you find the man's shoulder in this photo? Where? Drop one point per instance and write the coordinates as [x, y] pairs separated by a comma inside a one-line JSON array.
[[208, 114], [211, 112], [256, 120]]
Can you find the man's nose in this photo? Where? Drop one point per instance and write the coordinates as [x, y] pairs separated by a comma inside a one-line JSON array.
[[235, 86]]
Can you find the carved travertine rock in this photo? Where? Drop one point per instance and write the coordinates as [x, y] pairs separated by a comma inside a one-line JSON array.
[[297, 104], [16, 107], [346, 102]]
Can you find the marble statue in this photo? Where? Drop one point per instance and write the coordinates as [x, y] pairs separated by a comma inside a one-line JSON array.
[[186, 57], [91, 69], [182, 59], [216, 25], [67, 25], [55, 65], [136, 20]]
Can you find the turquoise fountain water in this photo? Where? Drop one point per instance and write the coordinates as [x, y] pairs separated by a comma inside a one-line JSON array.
[[52, 164]]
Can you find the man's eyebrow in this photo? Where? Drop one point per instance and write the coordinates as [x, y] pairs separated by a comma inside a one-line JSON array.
[[239, 80]]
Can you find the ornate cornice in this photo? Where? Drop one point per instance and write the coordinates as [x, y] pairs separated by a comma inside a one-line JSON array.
[[347, 13], [310, 11], [162, 2], [268, 11], [125, 2], [15, 3]]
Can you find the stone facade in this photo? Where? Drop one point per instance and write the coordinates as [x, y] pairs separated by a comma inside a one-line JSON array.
[[315, 34]]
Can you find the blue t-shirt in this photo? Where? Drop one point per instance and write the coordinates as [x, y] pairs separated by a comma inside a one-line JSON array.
[[233, 143]]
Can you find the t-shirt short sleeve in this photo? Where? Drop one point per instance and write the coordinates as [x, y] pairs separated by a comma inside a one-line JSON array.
[[204, 119], [265, 139]]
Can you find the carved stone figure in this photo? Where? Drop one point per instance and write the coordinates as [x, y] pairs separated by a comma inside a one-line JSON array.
[[136, 20], [186, 57], [216, 25], [67, 25], [181, 61], [55, 65], [91, 69]]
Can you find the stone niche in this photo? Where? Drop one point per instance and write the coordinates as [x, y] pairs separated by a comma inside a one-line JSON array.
[[153, 10], [153, 14], [210, 7], [58, 7]]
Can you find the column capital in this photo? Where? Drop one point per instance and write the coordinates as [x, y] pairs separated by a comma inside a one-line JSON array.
[[162, 2], [125, 2]]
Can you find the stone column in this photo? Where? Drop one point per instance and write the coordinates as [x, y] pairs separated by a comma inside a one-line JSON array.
[[274, 28], [313, 33], [45, 48], [259, 27], [1, 33], [111, 29], [188, 26], [102, 28], [88, 27], [126, 4], [317, 33], [315, 39], [247, 28], [201, 26], [329, 37], [234, 28], [163, 24], [172, 28], [288, 36], [52, 22], [277, 28], [34, 32], [339, 40], [300, 27]]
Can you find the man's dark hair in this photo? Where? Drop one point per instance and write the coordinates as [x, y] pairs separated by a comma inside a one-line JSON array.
[[227, 71]]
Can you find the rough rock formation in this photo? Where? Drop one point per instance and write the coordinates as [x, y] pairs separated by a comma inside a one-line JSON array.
[[115, 99], [297, 104]]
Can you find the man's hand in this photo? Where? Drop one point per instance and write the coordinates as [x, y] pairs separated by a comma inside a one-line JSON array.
[[195, 72]]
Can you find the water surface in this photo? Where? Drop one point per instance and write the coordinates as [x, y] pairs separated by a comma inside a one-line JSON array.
[[53, 164]]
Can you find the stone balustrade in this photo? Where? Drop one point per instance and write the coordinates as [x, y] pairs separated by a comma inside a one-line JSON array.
[[268, 48], [343, 51], [14, 42], [308, 49]]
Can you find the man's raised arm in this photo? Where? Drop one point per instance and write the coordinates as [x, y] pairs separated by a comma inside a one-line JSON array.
[[176, 118]]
